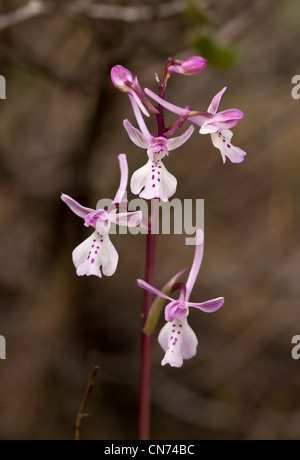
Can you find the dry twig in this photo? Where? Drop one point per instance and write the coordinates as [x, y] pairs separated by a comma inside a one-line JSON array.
[[81, 414]]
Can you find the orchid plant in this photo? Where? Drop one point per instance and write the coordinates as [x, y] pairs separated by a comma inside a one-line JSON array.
[[97, 255]]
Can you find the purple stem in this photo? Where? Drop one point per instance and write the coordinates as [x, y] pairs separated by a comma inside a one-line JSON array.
[[146, 358], [162, 91], [146, 364]]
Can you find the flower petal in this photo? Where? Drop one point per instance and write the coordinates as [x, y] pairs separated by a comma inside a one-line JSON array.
[[153, 290], [123, 180], [221, 141], [222, 121], [196, 263], [153, 181], [79, 210], [176, 142], [139, 116], [134, 97], [94, 252], [158, 304], [109, 257], [179, 342], [137, 137], [103, 225], [198, 118], [213, 108], [127, 219], [210, 306], [201, 118], [143, 99], [209, 127], [173, 108], [229, 115]]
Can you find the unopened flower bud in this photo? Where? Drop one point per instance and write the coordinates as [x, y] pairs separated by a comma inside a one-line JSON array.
[[190, 66], [122, 78]]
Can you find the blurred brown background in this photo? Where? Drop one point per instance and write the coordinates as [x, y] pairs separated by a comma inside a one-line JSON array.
[[60, 131]]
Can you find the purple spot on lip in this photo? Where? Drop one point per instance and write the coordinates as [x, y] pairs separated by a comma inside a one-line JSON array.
[[153, 185], [224, 140], [180, 325], [171, 338], [178, 332], [92, 261], [153, 177], [94, 241], [158, 180], [96, 252], [98, 247], [229, 146], [173, 330], [93, 246]]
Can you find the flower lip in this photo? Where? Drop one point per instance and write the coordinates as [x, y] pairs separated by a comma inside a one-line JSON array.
[[176, 310]]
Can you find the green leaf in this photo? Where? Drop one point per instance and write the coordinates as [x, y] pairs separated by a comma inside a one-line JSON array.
[[217, 54], [159, 303]]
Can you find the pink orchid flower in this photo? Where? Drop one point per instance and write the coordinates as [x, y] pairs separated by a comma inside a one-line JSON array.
[[177, 338], [217, 124], [153, 180], [97, 251]]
